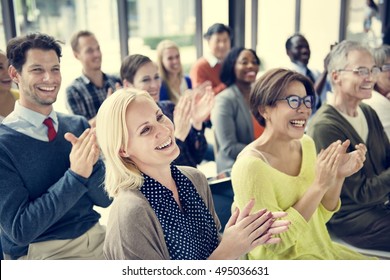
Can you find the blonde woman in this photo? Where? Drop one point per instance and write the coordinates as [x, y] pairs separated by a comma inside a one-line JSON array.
[[163, 211], [174, 82]]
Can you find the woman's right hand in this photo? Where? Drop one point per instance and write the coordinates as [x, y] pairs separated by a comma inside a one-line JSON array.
[[245, 231], [327, 164], [182, 117]]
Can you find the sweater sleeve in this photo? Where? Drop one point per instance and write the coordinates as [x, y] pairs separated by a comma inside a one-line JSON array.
[[133, 231], [95, 185], [23, 219], [363, 189], [250, 180]]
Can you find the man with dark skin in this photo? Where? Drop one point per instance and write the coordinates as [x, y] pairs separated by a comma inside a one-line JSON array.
[[298, 50]]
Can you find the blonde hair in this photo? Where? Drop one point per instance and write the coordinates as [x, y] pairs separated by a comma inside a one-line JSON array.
[[112, 135], [164, 45]]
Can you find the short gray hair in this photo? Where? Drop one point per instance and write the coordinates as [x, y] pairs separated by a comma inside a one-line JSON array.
[[381, 54], [339, 55]]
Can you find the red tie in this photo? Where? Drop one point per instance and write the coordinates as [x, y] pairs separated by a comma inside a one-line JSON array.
[[51, 132]]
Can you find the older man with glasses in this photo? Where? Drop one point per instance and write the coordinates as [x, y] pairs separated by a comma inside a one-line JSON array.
[[380, 100], [364, 217]]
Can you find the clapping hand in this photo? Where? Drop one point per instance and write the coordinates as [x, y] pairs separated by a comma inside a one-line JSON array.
[[351, 162], [245, 231], [85, 152], [202, 104], [182, 117], [110, 91]]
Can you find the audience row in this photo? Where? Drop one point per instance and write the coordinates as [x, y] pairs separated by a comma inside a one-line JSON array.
[[302, 147]]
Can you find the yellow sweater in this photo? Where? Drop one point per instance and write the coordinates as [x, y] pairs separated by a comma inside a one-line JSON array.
[[277, 191]]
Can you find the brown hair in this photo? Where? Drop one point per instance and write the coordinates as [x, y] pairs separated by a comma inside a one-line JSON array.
[[74, 41], [271, 86]]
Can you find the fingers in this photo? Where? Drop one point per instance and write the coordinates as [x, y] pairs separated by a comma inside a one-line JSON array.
[[73, 139], [109, 92], [277, 230], [273, 240], [280, 214], [85, 152], [361, 147], [246, 210], [346, 144], [70, 137], [261, 226], [203, 86], [233, 218], [330, 157]]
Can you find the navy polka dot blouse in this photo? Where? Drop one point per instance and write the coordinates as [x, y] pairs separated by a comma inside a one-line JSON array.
[[190, 233]]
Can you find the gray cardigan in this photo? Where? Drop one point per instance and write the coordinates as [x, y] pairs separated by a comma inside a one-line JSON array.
[[232, 125], [133, 230]]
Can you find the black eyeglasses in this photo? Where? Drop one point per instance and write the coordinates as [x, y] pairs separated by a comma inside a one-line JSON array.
[[364, 71], [294, 101], [385, 68]]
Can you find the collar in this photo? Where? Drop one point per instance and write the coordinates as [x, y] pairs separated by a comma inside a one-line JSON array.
[[300, 68], [86, 80], [34, 118], [211, 59]]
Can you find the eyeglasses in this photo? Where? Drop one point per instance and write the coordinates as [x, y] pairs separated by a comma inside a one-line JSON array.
[[385, 68], [295, 101], [364, 71]]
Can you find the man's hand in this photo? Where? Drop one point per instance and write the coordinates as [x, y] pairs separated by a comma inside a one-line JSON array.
[[84, 153]]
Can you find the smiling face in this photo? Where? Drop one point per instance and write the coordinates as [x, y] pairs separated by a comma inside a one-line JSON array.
[[383, 80], [171, 60], [147, 78], [5, 79], [39, 80], [219, 44], [246, 67], [89, 54], [285, 121], [351, 87], [299, 51], [151, 141]]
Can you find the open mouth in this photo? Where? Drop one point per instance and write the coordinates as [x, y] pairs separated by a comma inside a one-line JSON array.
[[298, 123], [165, 145], [367, 87], [46, 88], [6, 81]]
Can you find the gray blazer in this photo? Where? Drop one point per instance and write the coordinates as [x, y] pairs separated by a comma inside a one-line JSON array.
[[232, 125]]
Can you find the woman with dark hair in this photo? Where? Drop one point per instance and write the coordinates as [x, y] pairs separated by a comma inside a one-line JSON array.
[[281, 172], [234, 126]]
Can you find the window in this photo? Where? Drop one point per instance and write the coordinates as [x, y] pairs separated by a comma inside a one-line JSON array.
[[2, 32], [61, 18], [363, 23], [151, 21]]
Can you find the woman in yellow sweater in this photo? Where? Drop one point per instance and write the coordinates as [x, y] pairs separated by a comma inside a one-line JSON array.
[[8, 95], [280, 170]]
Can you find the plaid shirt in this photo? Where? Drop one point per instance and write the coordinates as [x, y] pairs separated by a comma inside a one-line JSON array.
[[84, 98]]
